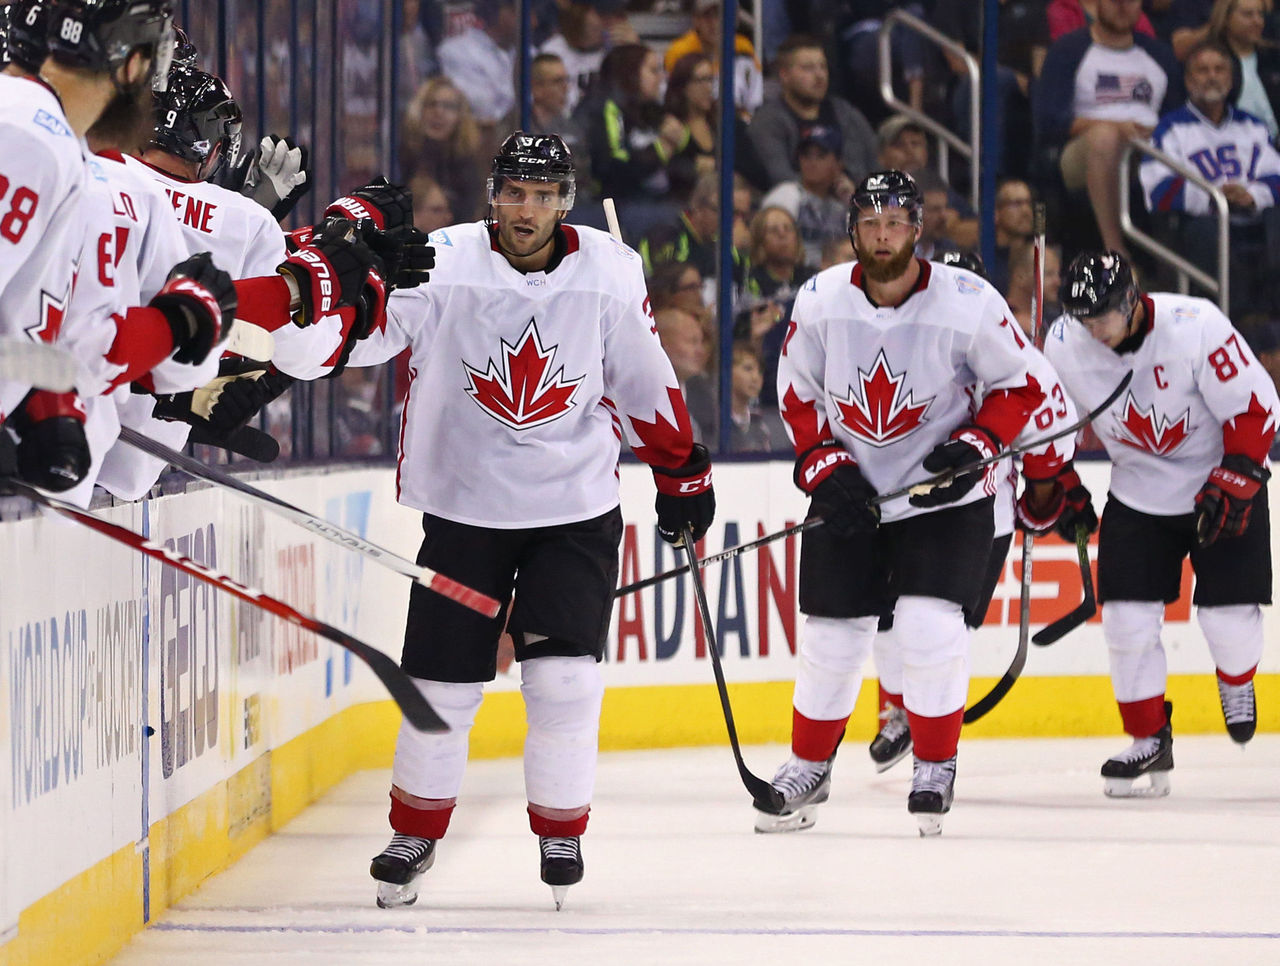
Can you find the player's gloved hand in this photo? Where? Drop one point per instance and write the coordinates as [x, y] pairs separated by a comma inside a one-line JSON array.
[[52, 451], [389, 206], [329, 271], [199, 303], [969, 444], [1225, 502], [405, 252], [234, 175], [1039, 507], [840, 492], [1078, 509], [685, 496], [219, 411], [281, 175], [369, 313]]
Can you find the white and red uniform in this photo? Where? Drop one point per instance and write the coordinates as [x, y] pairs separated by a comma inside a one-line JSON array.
[[1198, 392]]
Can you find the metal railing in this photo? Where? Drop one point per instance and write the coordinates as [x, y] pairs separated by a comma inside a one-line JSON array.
[[946, 137], [1187, 271]]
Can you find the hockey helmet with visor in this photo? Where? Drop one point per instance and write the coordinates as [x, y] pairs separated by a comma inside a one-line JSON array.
[[533, 157], [1096, 283], [881, 191], [198, 120]]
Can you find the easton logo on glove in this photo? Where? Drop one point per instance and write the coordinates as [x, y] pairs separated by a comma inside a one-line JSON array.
[[820, 462]]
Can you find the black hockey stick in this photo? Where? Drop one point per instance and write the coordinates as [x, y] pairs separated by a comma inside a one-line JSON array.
[[924, 486], [764, 795], [415, 708], [1088, 606], [446, 586]]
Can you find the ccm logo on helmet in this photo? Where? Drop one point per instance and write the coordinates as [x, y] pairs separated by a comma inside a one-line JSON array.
[[816, 468], [322, 277]]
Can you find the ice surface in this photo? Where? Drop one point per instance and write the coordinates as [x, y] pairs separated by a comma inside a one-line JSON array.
[[1034, 866]]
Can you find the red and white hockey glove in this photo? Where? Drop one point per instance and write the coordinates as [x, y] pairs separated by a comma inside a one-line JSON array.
[[199, 303], [329, 271], [830, 474], [389, 206], [1225, 502], [969, 444], [52, 451], [685, 496]]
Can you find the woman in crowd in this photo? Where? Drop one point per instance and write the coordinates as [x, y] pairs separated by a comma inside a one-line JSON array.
[[441, 138], [1239, 24]]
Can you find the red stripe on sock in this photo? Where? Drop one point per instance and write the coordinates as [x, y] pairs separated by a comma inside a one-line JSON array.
[[422, 822], [935, 739], [1143, 718], [1237, 678], [562, 828], [815, 740]]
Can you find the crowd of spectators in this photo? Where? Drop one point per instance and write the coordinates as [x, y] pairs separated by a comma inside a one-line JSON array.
[[632, 86]]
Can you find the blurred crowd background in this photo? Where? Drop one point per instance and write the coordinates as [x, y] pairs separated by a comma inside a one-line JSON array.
[[1147, 126]]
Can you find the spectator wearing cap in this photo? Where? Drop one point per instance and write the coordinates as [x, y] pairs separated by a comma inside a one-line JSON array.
[[703, 37], [818, 199], [587, 30], [481, 61], [904, 146], [803, 99]]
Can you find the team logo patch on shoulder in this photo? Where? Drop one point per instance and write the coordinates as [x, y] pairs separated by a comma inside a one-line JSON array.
[[1149, 431], [519, 390], [1058, 328], [968, 286], [50, 123], [440, 237], [811, 285], [626, 251], [878, 411], [96, 170]]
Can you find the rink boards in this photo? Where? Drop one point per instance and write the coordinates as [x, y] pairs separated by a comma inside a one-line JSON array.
[[247, 719]]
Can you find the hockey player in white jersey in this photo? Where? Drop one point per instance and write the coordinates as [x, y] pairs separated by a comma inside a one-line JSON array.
[[103, 54], [1046, 462], [533, 355], [1188, 443], [872, 383]]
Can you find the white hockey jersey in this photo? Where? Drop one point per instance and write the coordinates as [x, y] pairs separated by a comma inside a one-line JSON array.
[[42, 179], [889, 383], [1197, 391], [522, 386]]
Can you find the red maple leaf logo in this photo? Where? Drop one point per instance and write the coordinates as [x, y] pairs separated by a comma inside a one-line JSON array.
[[522, 392], [1143, 429], [879, 413]]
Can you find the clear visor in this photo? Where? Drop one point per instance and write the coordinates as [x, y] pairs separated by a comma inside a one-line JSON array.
[[540, 194], [163, 60]]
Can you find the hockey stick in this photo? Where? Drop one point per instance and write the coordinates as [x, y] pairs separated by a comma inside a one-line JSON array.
[[1067, 623], [445, 586], [764, 795], [922, 487], [996, 694], [415, 708], [40, 365], [251, 341]]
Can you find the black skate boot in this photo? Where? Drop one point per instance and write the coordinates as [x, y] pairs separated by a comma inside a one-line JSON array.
[[933, 787], [1239, 710], [561, 864], [893, 742], [1146, 756], [804, 786], [399, 868]]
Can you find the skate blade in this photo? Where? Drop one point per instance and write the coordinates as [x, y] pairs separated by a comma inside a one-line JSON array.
[[883, 766], [801, 818], [558, 893], [1125, 787], [929, 823], [392, 896]]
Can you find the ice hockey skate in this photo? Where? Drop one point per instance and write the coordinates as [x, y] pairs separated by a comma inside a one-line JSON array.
[[1151, 756], [933, 787], [804, 786], [400, 867], [893, 742], [561, 864], [1239, 710]]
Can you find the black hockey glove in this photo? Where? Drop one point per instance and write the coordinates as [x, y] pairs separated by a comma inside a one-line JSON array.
[[685, 496], [1078, 509], [830, 474], [52, 451], [405, 252], [968, 445], [219, 412], [330, 270], [389, 206], [279, 178], [199, 303], [1225, 502]]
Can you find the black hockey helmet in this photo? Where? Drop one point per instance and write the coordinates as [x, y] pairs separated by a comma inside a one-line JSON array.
[[970, 261], [534, 157], [100, 35], [1097, 282], [197, 120], [25, 26], [887, 189]]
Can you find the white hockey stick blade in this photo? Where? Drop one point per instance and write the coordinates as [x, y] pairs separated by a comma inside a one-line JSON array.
[[251, 341], [39, 364], [611, 218]]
